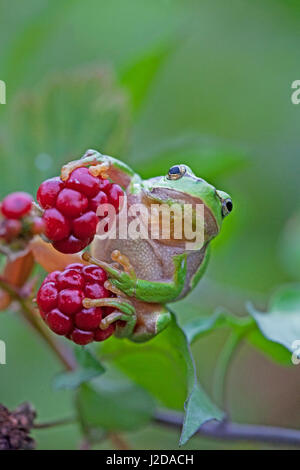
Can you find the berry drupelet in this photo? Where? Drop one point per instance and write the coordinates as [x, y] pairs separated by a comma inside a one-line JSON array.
[[19, 221], [70, 208], [60, 300]]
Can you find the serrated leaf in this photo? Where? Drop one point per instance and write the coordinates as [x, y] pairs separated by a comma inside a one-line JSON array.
[[113, 402], [164, 367], [281, 324], [89, 367]]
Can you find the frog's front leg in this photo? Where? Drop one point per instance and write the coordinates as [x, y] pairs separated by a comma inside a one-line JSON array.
[[104, 165], [148, 291]]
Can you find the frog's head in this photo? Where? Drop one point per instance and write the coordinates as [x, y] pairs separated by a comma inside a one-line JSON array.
[[181, 185]]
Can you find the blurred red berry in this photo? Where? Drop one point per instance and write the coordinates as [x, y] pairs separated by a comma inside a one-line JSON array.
[[38, 226], [16, 205], [10, 229]]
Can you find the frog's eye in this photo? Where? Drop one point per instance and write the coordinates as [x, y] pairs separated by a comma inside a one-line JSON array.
[[176, 172], [227, 207]]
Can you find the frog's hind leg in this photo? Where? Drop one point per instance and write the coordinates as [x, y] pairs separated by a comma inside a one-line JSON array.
[[152, 319], [124, 311]]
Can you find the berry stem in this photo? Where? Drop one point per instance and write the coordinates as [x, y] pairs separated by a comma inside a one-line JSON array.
[[38, 209], [53, 424], [221, 371], [29, 313], [118, 441]]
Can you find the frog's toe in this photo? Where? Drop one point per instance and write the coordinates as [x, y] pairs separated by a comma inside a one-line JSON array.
[[163, 321]]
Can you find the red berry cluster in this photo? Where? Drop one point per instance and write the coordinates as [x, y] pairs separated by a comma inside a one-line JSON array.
[[70, 208], [17, 219], [60, 303]]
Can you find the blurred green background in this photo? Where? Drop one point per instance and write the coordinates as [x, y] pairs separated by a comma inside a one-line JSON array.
[[207, 83]]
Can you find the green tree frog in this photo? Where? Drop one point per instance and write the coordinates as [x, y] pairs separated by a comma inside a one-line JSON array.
[[146, 274]]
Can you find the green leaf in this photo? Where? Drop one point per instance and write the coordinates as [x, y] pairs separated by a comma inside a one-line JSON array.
[[139, 75], [113, 402], [89, 368], [199, 409], [201, 326], [245, 327], [289, 247], [31, 39], [281, 324], [164, 367]]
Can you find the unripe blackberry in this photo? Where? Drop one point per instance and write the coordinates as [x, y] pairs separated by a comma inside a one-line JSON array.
[[19, 221], [70, 208], [10, 229], [60, 301], [16, 205]]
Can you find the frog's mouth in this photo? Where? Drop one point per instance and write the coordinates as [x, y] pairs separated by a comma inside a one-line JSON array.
[[177, 217]]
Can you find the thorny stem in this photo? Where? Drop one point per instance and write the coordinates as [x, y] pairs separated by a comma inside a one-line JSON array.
[[52, 424], [29, 313], [64, 354], [229, 431]]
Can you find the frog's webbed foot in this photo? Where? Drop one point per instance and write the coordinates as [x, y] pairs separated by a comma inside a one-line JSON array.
[[104, 166], [124, 280], [124, 311], [123, 260]]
